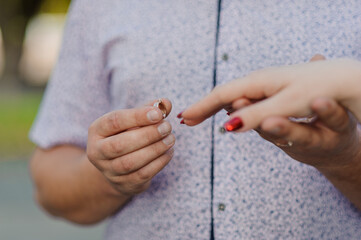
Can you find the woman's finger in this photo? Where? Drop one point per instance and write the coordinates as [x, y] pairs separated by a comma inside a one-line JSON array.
[[237, 104], [254, 86], [213, 102], [284, 104], [241, 103]]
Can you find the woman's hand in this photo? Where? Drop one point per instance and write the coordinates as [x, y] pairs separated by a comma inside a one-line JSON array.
[[266, 99], [282, 91], [131, 146]]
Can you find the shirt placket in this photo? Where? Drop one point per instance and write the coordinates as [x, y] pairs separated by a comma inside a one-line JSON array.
[[223, 201]]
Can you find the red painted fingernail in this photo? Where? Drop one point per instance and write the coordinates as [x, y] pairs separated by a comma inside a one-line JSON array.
[[233, 124], [182, 122], [180, 114], [228, 113]]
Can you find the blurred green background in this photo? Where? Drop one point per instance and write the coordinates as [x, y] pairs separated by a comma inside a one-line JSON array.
[[30, 38]]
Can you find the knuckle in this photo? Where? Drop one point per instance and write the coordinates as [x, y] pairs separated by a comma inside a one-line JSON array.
[[118, 181], [342, 120], [157, 149], [92, 128], [91, 153], [143, 175], [112, 121], [308, 139], [138, 187], [109, 175], [139, 116], [124, 165], [150, 135], [110, 148]]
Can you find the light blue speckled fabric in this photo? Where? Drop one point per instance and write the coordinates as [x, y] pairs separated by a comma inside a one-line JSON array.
[[121, 54]]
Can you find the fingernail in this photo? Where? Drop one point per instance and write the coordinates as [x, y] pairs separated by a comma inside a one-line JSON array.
[[164, 129], [228, 113], [233, 124], [154, 116], [171, 152], [180, 114], [169, 140], [182, 122]]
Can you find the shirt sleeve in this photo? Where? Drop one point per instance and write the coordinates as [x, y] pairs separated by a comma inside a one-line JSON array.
[[77, 93]]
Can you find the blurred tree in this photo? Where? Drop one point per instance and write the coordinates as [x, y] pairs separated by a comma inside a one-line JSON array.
[[54, 6], [14, 17]]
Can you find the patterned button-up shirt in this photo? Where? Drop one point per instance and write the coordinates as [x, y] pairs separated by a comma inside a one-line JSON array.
[[121, 54]]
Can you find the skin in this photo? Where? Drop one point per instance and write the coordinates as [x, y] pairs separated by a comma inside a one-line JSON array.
[[331, 143], [125, 150], [284, 91]]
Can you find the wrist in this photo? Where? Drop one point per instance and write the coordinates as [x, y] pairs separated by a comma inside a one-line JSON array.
[[105, 188]]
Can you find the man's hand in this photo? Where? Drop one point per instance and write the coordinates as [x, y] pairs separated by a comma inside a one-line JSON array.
[[332, 140], [128, 147], [332, 144], [131, 146]]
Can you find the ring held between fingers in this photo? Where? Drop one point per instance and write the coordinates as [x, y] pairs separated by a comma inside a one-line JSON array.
[[164, 104]]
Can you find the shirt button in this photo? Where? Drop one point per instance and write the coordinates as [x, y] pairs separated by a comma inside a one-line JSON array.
[[225, 57], [222, 130], [221, 207]]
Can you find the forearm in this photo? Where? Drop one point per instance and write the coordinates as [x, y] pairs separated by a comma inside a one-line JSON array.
[[69, 186]]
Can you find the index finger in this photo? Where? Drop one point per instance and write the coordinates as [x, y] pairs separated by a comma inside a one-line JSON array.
[[220, 97], [257, 85], [121, 120]]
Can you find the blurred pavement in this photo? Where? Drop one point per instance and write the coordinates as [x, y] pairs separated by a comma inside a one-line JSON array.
[[20, 217]]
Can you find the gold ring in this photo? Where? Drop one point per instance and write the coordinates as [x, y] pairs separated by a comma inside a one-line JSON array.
[[159, 104], [288, 144]]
